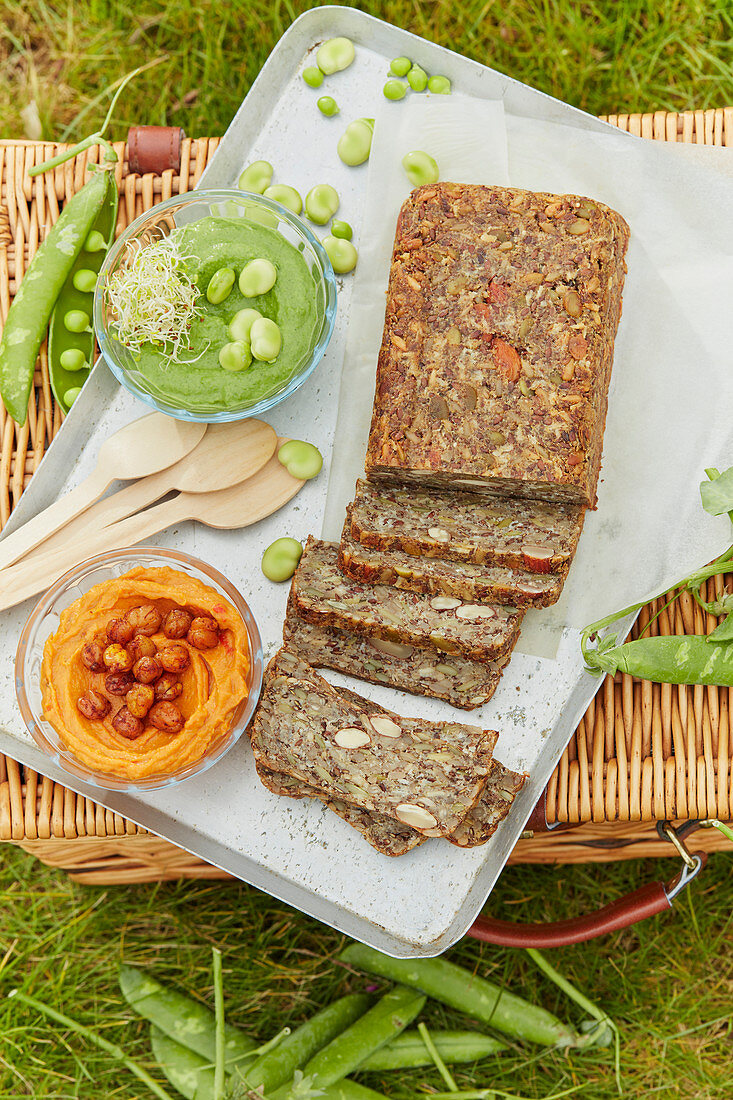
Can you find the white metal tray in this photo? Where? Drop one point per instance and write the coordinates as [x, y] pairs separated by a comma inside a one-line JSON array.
[[421, 903]]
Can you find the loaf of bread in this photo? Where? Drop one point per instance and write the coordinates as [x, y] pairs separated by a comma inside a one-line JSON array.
[[496, 356]]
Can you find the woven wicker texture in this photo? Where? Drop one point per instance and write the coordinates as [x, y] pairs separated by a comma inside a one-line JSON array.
[[643, 752]]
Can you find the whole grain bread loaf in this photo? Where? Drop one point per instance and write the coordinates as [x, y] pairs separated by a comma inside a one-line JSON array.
[[321, 594], [427, 775], [419, 670], [478, 826], [464, 581], [496, 356], [520, 534]]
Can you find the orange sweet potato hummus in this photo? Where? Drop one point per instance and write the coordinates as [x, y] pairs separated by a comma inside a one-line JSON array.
[[145, 673]]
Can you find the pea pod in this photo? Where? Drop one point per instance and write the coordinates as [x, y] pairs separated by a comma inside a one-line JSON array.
[[674, 659], [475, 996], [188, 1072], [181, 1018], [68, 373], [278, 1065], [390, 1016], [38, 293], [408, 1051]]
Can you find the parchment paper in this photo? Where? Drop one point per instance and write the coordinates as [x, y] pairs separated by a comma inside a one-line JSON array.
[[672, 366]]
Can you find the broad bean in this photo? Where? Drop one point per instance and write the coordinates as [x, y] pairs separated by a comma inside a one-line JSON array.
[[265, 340], [420, 168], [235, 356], [241, 323], [72, 359], [439, 85], [341, 229], [313, 76], [300, 459], [400, 66], [256, 177], [76, 320], [260, 215], [257, 277], [328, 106], [417, 78], [321, 203], [355, 144], [286, 196], [341, 253], [335, 55], [84, 280], [279, 562], [394, 89], [220, 285]]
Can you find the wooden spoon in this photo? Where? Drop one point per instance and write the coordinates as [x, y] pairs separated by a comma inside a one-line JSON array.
[[146, 445], [239, 506], [227, 455]]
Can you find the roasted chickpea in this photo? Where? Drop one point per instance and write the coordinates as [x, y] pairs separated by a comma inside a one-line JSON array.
[[92, 657], [177, 623], [117, 659], [127, 725], [120, 630], [204, 633], [141, 646], [166, 717], [145, 619], [174, 658], [168, 688], [147, 669], [93, 705], [118, 683], [140, 699]]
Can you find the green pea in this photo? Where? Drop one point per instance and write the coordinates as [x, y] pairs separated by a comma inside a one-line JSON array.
[[355, 144], [266, 340], [313, 76], [76, 320], [95, 242], [256, 177], [300, 459], [258, 214], [439, 85], [417, 78], [73, 359], [280, 559], [400, 66], [286, 196], [321, 203], [84, 280], [420, 168], [258, 276], [241, 323], [235, 356], [335, 55], [341, 229], [328, 106], [394, 89], [341, 253], [71, 395], [220, 285]]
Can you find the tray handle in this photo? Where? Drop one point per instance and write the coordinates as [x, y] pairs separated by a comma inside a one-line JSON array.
[[647, 901]]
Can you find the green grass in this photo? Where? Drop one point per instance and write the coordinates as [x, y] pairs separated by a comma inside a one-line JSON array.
[[603, 56], [668, 982]]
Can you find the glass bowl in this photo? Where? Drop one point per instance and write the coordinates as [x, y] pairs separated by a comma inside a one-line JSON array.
[[44, 620], [184, 210]]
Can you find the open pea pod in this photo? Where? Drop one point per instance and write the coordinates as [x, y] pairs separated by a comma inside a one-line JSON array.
[[70, 353]]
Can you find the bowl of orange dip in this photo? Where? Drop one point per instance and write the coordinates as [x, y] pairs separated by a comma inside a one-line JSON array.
[[139, 668]]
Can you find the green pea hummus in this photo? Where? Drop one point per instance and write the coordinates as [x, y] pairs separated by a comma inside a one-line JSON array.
[[295, 303]]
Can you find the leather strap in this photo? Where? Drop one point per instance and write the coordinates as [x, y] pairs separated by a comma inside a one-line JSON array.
[[645, 902], [154, 149]]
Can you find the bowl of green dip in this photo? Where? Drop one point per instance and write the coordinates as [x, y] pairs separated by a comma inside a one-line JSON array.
[[168, 300]]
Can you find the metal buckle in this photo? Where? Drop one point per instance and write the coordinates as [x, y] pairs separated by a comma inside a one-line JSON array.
[[692, 861]]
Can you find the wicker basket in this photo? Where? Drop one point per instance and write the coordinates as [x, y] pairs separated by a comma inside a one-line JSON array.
[[643, 752]]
